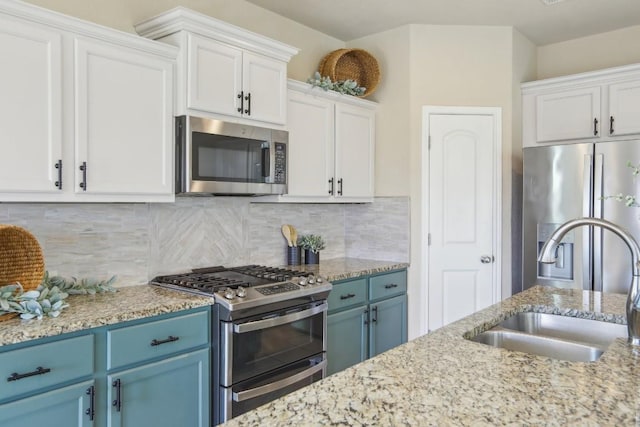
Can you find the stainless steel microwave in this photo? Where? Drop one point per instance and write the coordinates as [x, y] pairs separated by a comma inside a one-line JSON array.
[[217, 157]]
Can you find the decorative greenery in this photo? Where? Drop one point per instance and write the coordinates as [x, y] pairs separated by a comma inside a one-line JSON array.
[[311, 242], [49, 298], [627, 199], [349, 87]]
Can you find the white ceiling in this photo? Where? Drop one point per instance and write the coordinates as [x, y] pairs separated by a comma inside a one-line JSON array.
[[351, 19]]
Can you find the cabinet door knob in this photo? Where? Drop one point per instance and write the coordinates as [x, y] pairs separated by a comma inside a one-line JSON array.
[[486, 259]]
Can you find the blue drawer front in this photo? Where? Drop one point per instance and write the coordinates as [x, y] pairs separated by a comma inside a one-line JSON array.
[[387, 285], [60, 361], [146, 341], [347, 294]]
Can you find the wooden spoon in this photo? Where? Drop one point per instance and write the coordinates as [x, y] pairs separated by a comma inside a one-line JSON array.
[[286, 232], [294, 235]]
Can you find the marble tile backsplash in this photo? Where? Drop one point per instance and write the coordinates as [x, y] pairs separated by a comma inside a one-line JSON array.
[[139, 241]]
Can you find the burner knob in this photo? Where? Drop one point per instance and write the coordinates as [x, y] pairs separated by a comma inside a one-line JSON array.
[[229, 294], [319, 280], [302, 281], [241, 292], [311, 280]]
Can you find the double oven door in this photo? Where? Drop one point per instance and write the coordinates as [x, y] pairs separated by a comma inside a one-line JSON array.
[[267, 356]]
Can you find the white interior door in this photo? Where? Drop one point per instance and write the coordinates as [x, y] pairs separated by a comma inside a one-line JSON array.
[[462, 226]]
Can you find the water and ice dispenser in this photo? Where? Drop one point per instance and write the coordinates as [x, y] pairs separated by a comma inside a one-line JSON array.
[[563, 267]]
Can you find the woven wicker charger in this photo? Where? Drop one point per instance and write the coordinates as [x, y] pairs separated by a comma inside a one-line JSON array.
[[352, 64], [21, 259]]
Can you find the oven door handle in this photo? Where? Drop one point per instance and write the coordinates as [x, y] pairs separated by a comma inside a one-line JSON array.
[[280, 320], [275, 386]]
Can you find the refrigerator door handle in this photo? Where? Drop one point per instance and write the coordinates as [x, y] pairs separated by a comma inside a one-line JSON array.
[[587, 211], [598, 188]]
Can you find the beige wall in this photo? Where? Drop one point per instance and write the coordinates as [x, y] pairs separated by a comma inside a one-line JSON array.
[[603, 50], [448, 66], [392, 51], [124, 14]]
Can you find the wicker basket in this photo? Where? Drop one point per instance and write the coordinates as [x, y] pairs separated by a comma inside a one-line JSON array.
[[21, 257], [352, 64]]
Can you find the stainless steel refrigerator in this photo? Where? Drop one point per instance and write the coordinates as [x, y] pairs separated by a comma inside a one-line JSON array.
[[563, 182]]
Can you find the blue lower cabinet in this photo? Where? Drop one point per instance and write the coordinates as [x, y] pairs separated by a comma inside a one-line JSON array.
[[172, 392], [346, 339], [367, 316], [388, 320], [64, 407]]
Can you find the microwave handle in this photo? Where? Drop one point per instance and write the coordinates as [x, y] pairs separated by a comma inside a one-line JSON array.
[[280, 320], [266, 161], [278, 385]]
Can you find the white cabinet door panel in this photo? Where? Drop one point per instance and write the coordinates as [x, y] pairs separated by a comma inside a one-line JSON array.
[[123, 120], [310, 145], [624, 108], [215, 76], [355, 144], [265, 81], [30, 108], [568, 115]]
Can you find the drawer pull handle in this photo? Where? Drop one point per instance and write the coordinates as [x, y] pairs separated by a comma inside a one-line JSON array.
[[374, 319], [170, 339], [390, 286], [39, 371], [347, 296]]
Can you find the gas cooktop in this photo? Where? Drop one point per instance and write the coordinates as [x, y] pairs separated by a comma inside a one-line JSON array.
[[246, 286]]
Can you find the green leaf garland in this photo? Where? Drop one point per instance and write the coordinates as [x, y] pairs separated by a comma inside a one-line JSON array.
[[49, 299]]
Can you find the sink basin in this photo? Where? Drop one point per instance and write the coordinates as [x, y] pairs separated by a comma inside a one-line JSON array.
[[587, 331], [540, 345], [549, 335]]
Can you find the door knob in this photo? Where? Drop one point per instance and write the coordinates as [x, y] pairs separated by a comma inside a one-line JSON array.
[[486, 259]]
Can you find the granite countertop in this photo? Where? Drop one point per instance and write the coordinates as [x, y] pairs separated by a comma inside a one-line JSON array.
[[91, 311], [348, 268], [443, 379], [137, 302]]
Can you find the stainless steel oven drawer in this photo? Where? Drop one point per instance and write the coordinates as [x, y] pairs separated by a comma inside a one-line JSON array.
[[145, 341]]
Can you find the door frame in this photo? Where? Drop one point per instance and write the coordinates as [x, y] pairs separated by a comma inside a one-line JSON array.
[[496, 113]]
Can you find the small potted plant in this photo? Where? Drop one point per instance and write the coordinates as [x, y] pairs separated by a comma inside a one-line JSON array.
[[312, 245]]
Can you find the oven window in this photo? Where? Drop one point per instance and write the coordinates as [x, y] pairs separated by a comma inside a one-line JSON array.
[[228, 158], [259, 351]]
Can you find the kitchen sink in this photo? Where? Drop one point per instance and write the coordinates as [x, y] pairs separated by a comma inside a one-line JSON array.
[[550, 335], [587, 331]]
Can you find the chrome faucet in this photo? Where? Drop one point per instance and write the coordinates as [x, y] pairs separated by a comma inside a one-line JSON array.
[[548, 256]]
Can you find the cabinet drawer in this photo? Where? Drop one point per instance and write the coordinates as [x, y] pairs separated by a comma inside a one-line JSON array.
[[31, 368], [388, 285], [347, 294], [154, 339]]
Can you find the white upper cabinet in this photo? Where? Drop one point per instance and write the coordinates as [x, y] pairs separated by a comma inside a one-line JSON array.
[[224, 72], [86, 112], [30, 107], [569, 114], [594, 106], [124, 121], [331, 147], [624, 108]]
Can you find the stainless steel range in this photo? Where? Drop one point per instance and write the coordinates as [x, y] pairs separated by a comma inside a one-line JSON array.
[[268, 332]]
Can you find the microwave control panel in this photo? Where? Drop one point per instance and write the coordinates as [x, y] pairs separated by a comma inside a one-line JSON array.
[[280, 167]]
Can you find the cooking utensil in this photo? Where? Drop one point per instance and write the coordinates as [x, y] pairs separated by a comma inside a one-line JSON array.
[[294, 235], [286, 232]]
